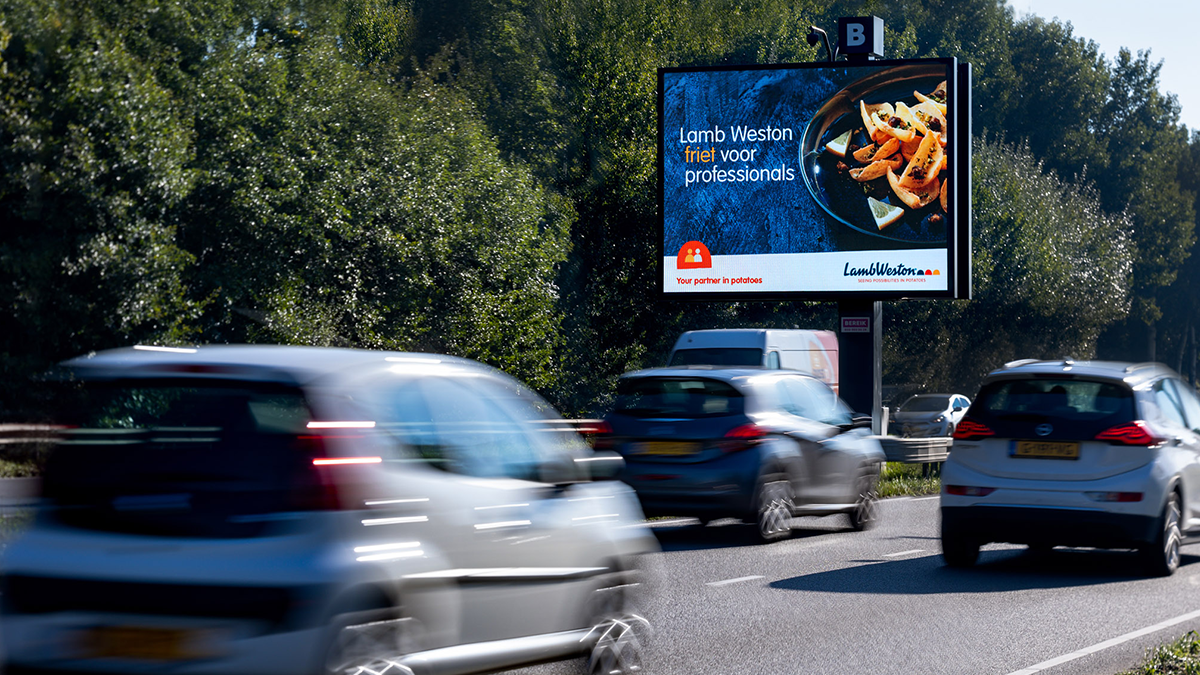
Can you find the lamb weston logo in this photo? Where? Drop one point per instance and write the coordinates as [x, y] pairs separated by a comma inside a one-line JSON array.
[[879, 269]]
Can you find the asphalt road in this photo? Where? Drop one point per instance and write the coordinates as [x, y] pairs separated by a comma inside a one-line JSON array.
[[832, 601]]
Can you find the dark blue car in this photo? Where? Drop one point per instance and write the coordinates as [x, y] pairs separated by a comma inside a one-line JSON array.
[[760, 445]]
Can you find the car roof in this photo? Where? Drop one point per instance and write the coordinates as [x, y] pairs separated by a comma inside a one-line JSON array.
[[263, 363], [735, 375], [1133, 374]]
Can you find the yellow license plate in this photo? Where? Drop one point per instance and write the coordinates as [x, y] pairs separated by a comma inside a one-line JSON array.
[[1046, 450], [145, 644], [667, 448]]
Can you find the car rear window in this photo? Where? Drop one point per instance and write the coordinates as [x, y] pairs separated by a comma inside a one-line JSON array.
[[925, 404], [178, 459], [688, 398], [1075, 406], [717, 356]]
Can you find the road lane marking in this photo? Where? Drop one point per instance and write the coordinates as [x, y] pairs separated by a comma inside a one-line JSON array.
[[671, 523], [726, 582], [1036, 668], [897, 555]]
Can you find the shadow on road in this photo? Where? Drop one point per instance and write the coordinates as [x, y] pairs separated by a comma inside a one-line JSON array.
[[996, 572], [733, 533]]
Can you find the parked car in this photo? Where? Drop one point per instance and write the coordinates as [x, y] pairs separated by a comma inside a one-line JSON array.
[[1089, 453], [262, 509], [757, 444], [930, 415]]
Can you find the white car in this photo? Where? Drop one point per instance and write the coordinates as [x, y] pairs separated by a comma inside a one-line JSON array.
[[1086, 454], [929, 415], [254, 510]]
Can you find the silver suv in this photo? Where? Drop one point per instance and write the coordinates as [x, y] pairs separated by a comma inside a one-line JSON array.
[[1090, 453], [241, 509]]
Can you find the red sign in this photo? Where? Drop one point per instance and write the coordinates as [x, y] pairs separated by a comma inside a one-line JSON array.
[[693, 256], [856, 324]]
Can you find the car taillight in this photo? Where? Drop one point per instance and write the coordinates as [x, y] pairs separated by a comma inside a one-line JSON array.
[[742, 438], [322, 480], [599, 434], [1130, 433], [969, 490], [969, 430]]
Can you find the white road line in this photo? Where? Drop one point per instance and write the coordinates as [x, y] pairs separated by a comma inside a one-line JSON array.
[[897, 555], [726, 582], [670, 523], [1037, 668]]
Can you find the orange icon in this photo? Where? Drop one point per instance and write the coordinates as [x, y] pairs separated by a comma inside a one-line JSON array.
[[693, 256]]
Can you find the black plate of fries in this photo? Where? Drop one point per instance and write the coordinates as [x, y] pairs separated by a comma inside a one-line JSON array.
[[828, 174]]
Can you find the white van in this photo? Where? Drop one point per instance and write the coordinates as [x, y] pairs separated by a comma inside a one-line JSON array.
[[811, 351]]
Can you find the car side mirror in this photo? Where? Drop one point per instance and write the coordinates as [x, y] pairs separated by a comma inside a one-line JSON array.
[[958, 408], [602, 465]]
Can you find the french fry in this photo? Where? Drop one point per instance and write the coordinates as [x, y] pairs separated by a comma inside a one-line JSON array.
[[923, 168], [876, 169], [875, 151], [917, 197]]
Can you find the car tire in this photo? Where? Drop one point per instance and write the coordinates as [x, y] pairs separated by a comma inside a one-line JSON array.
[[958, 551], [619, 648], [866, 504], [773, 507], [1161, 557], [368, 640]]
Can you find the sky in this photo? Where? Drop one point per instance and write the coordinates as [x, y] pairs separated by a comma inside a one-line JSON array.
[[1168, 28]]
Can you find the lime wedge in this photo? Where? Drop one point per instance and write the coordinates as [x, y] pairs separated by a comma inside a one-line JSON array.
[[838, 145], [885, 214]]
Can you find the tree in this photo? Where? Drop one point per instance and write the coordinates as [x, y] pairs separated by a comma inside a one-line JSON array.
[[1051, 271]]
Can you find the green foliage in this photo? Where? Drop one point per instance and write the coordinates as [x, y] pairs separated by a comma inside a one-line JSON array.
[[907, 480], [1181, 657], [478, 177], [1051, 270]]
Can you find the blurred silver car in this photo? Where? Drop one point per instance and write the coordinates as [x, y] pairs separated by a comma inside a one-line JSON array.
[[930, 415], [254, 510]]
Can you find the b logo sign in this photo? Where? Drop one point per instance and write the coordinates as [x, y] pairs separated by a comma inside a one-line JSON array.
[[855, 35], [861, 35]]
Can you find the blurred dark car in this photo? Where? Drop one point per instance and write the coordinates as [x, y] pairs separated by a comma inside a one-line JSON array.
[[251, 510], [929, 415], [756, 444]]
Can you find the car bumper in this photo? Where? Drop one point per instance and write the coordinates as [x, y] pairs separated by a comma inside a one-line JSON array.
[[716, 489], [1049, 526]]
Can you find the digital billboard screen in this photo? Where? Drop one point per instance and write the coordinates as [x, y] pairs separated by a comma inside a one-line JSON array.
[[814, 180]]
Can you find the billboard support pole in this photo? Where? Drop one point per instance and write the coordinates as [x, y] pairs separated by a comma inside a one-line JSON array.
[[860, 330], [860, 357]]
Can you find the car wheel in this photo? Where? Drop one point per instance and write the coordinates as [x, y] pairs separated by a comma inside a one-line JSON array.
[[368, 642], [959, 551], [866, 505], [1162, 555], [618, 650], [774, 504]]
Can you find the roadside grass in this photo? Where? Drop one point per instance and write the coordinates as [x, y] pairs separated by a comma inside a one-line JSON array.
[[903, 480], [1181, 657], [19, 468], [23, 460]]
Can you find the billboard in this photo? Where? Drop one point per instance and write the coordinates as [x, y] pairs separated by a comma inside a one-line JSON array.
[[823, 180]]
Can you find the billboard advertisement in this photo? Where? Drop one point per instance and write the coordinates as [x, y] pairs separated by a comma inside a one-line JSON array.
[[824, 180]]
